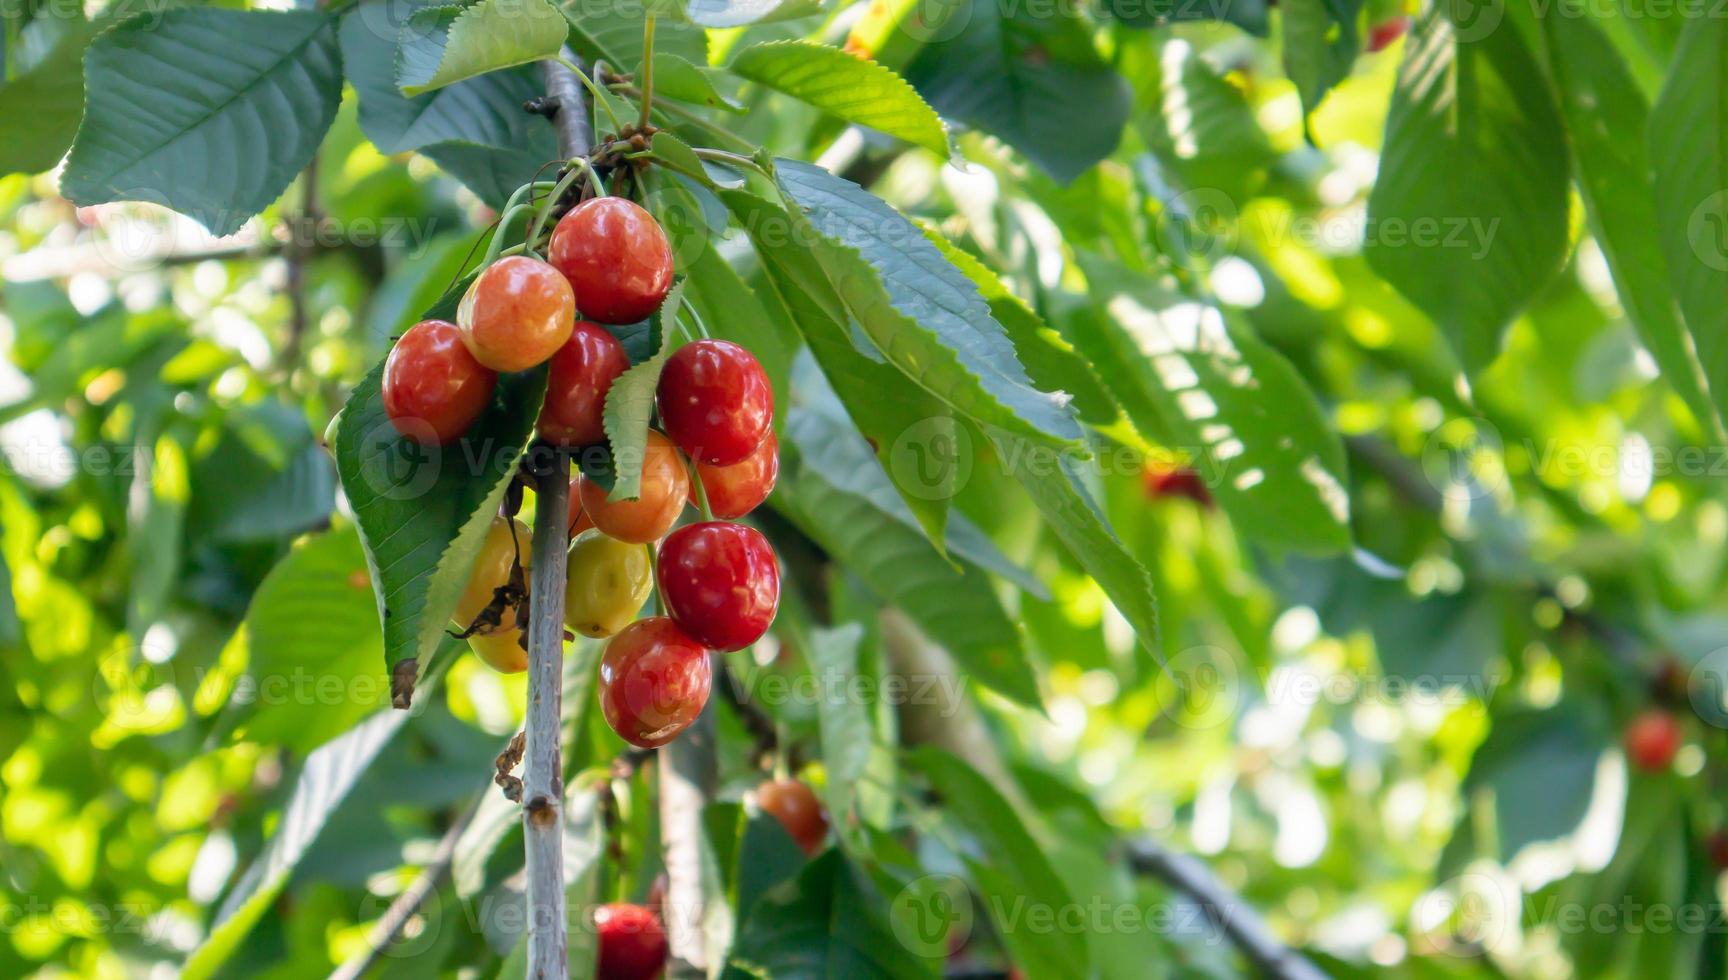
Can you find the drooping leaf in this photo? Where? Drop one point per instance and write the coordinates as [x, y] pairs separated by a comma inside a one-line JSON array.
[[676, 78], [485, 110], [1032, 79], [919, 311], [1687, 131], [1473, 181], [957, 607], [888, 409], [244, 117], [1016, 872], [828, 923], [442, 45], [1320, 45], [1190, 380], [423, 510], [852, 88], [630, 403]]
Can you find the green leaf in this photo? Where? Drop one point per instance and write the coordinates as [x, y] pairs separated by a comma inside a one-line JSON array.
[[1030, 78], [828, 924], [1200, 126], [1017, 874], [1250, 15], [958, 609], [442, 45], [731, 310], [485, 111], [1688, 134], [42, 100], [1079, 523], [920, 312], [888, 409], [612, 31], [423, 510], [846, 86], [311, 624], [678, 79], [1537, 770], [156, 519], [265, 479], [330, 772], [1469, 216], [1320, 45], [738, 13], [493, 173], [10, 627], [826, 440], [226, 132], [630, 404], [1190, 380], [842, 721]]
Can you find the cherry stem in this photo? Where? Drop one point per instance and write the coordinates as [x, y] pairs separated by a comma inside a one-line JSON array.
[[564, 184], [593, 91], [701, 491], [647, 72], [494, 247], [731, 159], [671, 108]]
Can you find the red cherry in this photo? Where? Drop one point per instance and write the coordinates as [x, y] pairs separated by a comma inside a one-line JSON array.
[[1176, 481], [653, 682], [434, 389], [665, 486], [1652, 738], [794, 804], [720, 582], [632, 942], [736, 490], [516, 314], [715, 401], [1381, 35], [582, 372], [616, 257]]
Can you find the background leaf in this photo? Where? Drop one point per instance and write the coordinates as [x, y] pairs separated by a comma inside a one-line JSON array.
[[852, 88], [443, 45]]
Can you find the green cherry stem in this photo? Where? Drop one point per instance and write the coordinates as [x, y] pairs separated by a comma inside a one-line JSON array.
[[494, 247], [731, 159], [647, 72], [594, 92], [702, 506]]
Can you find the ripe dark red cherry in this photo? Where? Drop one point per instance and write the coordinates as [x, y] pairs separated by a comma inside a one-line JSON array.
[[632, 942], [582, 372], [720, 582], [1161, 482], [715, 401], [794, 804], [516, 314], [434, 389], [665, 486], [736, 490], [1652, 738], [616, 257], [653, 682]]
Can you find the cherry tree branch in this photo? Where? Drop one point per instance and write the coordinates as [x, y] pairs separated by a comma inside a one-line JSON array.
[[542, 768], [688, 774]]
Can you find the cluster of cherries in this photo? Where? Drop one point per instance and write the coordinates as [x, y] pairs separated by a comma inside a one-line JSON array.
[[609, 261]]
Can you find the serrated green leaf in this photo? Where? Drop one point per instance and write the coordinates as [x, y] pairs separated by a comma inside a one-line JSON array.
[[630, 404], [919, 311], [1469, 216], [1033, 79], [731, 310], [842, 721], [1017, 874], [493, 173], [1688, 135], [882, 402], [423, 511], [846, 86], [958, 609], [485, 110], [242, 119], [1202, 128], [442, 45]]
